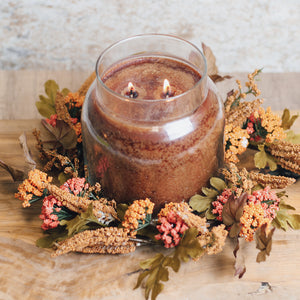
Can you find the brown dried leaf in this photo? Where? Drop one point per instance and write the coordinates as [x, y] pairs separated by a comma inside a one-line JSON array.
[[240, 267], [217, 78], [233, 209], [28, 158], [263, 242], [62, 133], [212, 68], [17, 175]]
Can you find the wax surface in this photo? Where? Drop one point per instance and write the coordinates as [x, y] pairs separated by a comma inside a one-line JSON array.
[[148, 74]]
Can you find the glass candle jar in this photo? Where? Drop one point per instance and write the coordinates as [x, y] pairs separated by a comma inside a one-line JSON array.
[[146, 140]]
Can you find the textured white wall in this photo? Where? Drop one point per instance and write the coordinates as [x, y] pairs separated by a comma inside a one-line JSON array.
[[62, 34]]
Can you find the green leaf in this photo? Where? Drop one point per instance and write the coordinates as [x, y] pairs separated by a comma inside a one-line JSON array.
[[155, 269], [141, 277], [53, 236], [211, 193], [63, 177], [172, 262], [286, 120], [189, 246], [292, 137], [209, 215], [200, 203], [80, 222], [45, 100], [46, 106], [262, 159], [51, 88], [217, 183], [45, 109], [284, 220], [121, 209], [151, 262], [65, 92]]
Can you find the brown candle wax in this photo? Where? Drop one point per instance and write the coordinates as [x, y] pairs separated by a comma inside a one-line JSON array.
[[165, 150]]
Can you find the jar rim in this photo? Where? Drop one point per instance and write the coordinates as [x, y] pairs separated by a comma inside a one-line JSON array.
[[170, 99]]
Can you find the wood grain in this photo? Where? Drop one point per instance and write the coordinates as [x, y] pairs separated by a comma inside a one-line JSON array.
[[28, 272], [19, 90]]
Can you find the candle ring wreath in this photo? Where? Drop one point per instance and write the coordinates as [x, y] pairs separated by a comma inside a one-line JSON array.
[[237, 204]]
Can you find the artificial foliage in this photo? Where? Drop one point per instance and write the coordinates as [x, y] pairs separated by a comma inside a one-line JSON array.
[[237, 203]]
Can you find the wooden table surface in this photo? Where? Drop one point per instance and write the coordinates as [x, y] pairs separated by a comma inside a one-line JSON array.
[[28, 272]]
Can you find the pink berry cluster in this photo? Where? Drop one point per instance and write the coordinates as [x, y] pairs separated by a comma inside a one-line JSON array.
[[50, 219], [268, 200], [171, 229]]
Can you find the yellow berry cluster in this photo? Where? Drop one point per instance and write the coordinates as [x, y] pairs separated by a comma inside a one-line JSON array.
[[253, 217], [136, 212]]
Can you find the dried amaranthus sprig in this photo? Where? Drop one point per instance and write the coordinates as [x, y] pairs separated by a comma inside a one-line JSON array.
[[213, 241], [110, 240], [238, 180], [287, 155], [234, 97], [104, 211], [273, 181]]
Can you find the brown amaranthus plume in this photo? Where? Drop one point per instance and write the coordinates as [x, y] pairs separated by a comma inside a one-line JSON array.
[[184, 211], [101, 208], [61, 109], [286, 154], [111, 240], [239, 179], [238, 115], [273, 181], [213, 241]]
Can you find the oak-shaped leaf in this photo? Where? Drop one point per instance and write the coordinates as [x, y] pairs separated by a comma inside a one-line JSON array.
[[156, 270], [189, 246], [81, 222], [232, 211], [46, 105], [287, 120], [284, 219], [62, 134], [263, 242], [203, 204], [200, 203], [262, 159]]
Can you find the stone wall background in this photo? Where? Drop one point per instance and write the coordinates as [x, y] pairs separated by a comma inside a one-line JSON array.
[[70, 35]]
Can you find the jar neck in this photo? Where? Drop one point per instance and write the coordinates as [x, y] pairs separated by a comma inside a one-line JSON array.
[[144, 110]]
